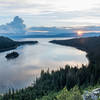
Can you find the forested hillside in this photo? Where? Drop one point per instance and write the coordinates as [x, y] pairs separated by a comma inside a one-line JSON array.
[[90, 44], [65, 78], [8, 44]]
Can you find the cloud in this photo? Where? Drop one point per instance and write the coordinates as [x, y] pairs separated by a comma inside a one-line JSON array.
[[47, 5], [16, 26], [51, 12]]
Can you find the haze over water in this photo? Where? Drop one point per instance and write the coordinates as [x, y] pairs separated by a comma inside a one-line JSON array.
[[20, 72]]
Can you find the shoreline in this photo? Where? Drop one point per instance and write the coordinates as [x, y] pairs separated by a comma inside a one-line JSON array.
[[91, 45], [9, 44]]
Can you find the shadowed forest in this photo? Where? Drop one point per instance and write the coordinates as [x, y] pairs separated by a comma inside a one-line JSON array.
[[66, 79]]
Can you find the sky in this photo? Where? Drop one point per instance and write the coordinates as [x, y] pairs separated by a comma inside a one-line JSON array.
[[59, 13]]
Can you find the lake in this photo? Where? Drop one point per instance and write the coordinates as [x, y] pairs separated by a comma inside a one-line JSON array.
[[22, 71]]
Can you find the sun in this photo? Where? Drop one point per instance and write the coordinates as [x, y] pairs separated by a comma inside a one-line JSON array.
[[79, 33]]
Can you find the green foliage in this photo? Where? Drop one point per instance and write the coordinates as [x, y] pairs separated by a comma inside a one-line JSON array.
[[50, 96], [56, 81], [64, 94], [73, 94], [90, 88], [65, 77]]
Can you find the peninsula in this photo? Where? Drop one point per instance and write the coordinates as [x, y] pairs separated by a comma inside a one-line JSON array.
[[90, 44], [9, 44]]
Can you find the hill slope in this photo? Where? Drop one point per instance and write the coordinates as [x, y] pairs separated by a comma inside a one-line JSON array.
[[91, 45], [8, 44]]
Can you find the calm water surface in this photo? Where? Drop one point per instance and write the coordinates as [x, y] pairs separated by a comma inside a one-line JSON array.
[[20, 72]]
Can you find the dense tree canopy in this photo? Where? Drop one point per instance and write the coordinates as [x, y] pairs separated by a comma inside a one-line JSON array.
[[68, 77]]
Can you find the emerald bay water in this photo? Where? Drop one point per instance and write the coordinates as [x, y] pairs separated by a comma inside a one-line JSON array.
[[22, 71]]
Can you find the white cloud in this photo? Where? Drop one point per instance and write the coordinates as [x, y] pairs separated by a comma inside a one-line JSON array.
[[48, 5], [72, 10]]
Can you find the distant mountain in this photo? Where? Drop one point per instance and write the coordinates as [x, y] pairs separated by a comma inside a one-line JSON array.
[[88, 31], [50, 32], [14, 27], [17, 28]]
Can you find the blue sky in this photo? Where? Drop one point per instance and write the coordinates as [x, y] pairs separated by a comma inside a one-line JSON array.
[[51, 12]]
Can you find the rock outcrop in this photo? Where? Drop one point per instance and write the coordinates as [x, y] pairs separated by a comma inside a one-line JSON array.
[[94, 95]]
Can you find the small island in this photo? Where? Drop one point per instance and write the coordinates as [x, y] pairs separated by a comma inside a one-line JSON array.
[[12, 55], [9, 44]]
